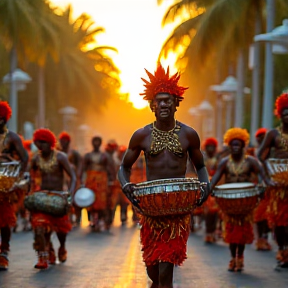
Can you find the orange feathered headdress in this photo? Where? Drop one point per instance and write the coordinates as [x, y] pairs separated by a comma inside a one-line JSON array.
[[122, 148], [64, 135], [281, 103], [210, 141], [260, 131], [46, 135], [236, 133], [162, 83], [5, 110]]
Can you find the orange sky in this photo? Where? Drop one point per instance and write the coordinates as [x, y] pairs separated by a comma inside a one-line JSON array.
[[134, 28]]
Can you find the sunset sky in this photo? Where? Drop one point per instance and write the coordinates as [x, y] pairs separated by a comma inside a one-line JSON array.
[[134, 28]]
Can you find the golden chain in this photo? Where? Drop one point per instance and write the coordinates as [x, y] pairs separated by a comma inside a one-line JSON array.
[[237, 169], [47, 166]]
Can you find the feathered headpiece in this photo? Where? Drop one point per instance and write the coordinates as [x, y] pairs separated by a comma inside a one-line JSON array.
[[260, 132], [236, 133], [65, 136], [122, 148], [46, 135], [281, 103], [5, 110], [27, 144], [210, 141], [162, 83]]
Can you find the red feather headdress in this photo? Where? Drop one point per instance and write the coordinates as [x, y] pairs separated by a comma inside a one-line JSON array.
[[64, 135], [210, 141], [46, 135], [281, 103], [260, 131], [162, 83], [5, 110]]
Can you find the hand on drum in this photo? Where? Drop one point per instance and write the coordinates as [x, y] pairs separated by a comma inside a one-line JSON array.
[[128, 190], [205, 191]]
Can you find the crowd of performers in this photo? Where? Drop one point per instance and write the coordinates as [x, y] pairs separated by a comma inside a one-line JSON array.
[[164, 149], [55, 166]]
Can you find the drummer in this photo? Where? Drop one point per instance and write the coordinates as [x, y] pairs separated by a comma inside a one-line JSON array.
[[276, 140], [11, 147], [238, 167], [52, 164], [166, 144], [210, 207]]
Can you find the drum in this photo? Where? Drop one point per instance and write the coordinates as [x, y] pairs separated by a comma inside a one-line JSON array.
[[165, 197], [9, 174], [50, 202], [237, 198], [278, 170], [84, 197]]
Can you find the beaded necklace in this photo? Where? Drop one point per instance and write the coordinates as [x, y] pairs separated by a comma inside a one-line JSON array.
[[47, 166], [237, 169]]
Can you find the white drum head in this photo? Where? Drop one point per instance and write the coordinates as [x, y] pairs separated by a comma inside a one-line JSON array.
[[241, 185], [84, 197]]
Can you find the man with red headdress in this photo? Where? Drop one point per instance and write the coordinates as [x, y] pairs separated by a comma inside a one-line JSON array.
[[51, 164], [238, 167], [260, 215], [75, 160], [275, 145], [166, 144], [99, 174], [10, 147], [210, 206]]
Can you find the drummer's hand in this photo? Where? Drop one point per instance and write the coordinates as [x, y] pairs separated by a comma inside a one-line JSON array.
[[206, 191], [128, 190], [270, 182]]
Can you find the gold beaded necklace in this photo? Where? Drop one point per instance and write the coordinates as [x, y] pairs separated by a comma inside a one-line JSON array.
[[237, 168], [283, 139], [47, 166]]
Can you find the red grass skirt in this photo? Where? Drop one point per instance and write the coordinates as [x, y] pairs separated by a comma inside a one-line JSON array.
[[164, 239], [51, 223], [238, 230], [98, 182], [7, 214], [260, 212]]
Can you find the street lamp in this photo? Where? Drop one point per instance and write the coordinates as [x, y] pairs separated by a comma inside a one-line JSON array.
[[19, 78], [68, 113], [207, 112], [278, 38]]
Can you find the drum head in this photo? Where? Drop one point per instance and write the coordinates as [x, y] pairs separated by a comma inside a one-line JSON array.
[[235, 185], [84, 197]]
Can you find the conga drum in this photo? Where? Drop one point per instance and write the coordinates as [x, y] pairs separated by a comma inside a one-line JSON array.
[[237, 198], [165, 197], [9, 174], [54, 203], [278, 170]]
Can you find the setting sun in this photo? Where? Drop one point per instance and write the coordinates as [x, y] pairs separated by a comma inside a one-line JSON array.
[[134, 29]]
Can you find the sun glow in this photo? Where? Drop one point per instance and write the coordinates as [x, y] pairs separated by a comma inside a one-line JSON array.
[[134, 29]]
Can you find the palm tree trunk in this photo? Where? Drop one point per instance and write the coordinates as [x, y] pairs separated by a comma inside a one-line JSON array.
[[256, 80], [240, 88], [41, 97], [13, 92]]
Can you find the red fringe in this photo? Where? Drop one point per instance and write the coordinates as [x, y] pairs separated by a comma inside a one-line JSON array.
[[239, 231], [57, 224], [164, 239], [7, 214], [210, 206], [98, 182], [260, 212], [277, 211]]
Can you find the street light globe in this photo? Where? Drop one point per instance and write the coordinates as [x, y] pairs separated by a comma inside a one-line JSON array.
[[18, 76], [205, 106], [68, 110]]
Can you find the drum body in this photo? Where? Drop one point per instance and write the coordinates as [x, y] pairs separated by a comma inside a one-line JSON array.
[[84, 197], [50, 202], [237, 198], [278, 170], [9, 174], [165, 197]]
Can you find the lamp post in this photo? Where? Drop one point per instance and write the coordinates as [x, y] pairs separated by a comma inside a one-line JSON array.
[[276, 42], [207, 114], [68, 113], [17, 80]]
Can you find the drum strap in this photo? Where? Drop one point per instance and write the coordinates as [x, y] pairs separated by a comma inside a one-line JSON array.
[[169, 140]]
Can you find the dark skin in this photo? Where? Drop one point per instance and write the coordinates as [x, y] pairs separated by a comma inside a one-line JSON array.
[[73, 156], [272, 140], [52, 180], [163, 165], [13, 147]]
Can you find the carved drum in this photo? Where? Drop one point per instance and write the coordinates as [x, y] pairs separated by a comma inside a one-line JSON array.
[[278, 170], [165, 197], [237, 198]]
